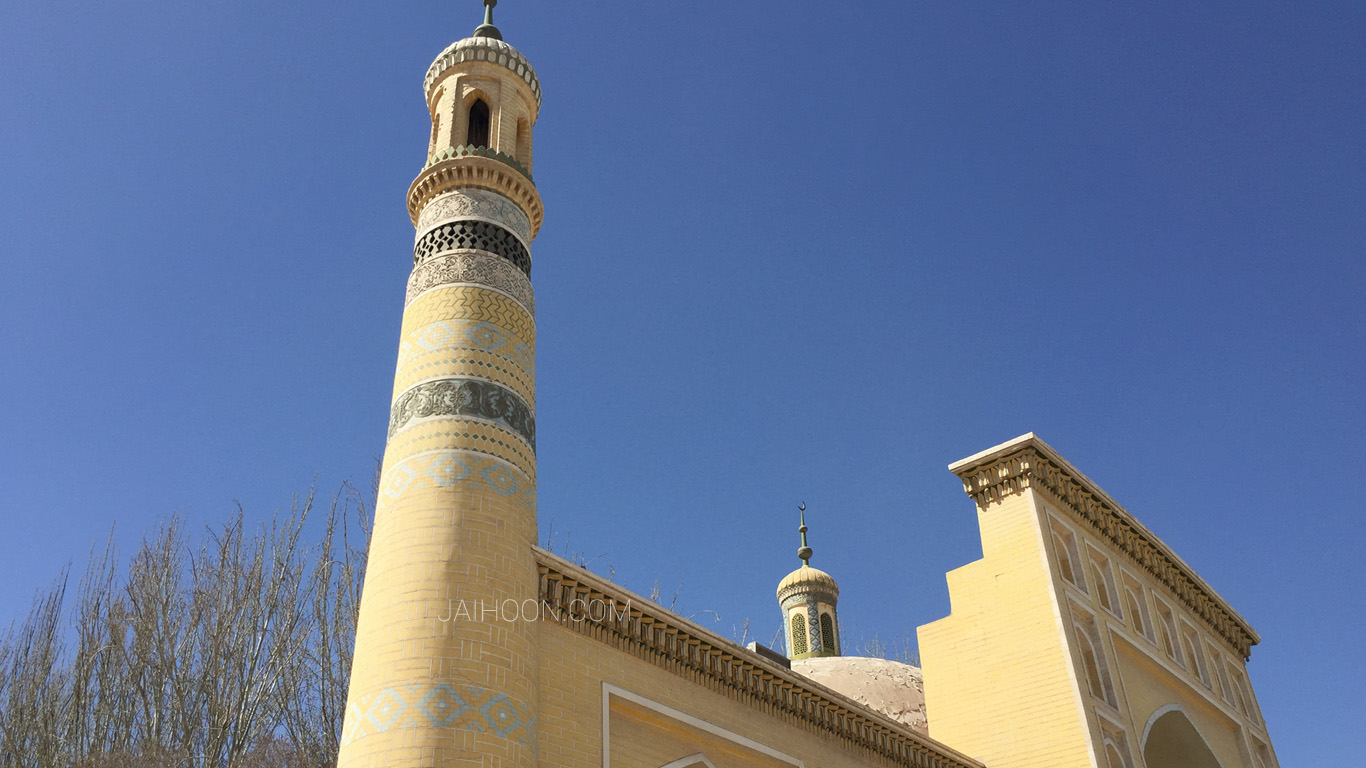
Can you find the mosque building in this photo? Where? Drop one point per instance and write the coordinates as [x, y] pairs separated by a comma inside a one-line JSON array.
[[1078, 639]]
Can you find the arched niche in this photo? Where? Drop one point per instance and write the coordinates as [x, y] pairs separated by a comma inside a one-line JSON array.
[[1172, 741]]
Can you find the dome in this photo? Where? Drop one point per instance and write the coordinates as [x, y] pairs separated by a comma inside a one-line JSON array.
[[487, 49], [888, 687], [807, 579]]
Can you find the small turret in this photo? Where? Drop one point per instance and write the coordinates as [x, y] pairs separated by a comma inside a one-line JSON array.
[[807, 597]]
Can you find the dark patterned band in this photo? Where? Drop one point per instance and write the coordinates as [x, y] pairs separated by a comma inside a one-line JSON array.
[[465, 397], [473, 234]]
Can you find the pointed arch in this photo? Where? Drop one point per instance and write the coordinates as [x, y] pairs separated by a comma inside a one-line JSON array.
[[828, 634], [691, 761], [1171, 739], [1090, 665], [1064, 558], [1133, 606], [478, 124], [1102, 588]]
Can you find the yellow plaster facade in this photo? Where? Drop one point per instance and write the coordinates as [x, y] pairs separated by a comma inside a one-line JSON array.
[[1078, 639]]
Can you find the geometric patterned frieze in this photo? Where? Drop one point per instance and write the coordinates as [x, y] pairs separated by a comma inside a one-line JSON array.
[[475, 204], [465, 397], [474, 268], [448, 336], [440, 705], [470, 234], [451, 468], [471, 436], [465, 364], [483, 49], [465, 303]]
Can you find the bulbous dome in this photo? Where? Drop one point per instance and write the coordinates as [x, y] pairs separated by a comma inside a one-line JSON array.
[[807, 579], [488, 49]]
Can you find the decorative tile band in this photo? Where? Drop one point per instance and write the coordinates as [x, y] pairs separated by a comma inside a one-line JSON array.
[[465, 397], [469, 203], [440, 705], [458, 469], [813, 626], [473, 234], [470, 436], [476, 268], [465, 364], [466, 303], [447, 336]]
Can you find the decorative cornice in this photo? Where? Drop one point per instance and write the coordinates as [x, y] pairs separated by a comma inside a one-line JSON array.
[[1028, 462], [808, 590], [478, 172], [483, 49], [464, 150], [647, 631]]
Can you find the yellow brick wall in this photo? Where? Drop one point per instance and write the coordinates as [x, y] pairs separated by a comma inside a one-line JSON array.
[[998, 679], [640, 735], [445, 665], [573, 668]]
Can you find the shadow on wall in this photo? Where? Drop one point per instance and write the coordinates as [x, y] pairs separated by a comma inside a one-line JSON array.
[[1173, 742]]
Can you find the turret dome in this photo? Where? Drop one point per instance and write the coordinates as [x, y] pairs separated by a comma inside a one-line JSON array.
[[808, 579], [807, 597]]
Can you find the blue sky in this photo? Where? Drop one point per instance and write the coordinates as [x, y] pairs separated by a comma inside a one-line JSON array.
[[798, 251]]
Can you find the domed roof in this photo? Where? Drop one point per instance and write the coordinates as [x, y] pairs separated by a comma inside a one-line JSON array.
[[894, 689], [488, 49], [806, 579]]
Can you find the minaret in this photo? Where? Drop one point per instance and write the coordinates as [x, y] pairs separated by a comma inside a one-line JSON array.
[[807, 597], [445, 662]]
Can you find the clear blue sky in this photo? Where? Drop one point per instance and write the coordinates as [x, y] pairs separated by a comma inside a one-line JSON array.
[[793, 251]]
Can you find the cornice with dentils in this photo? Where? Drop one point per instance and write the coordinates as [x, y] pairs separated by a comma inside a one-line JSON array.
[[1028, 462]]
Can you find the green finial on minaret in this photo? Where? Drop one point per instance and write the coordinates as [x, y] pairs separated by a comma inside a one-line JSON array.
[[805, 552], [487, 29]]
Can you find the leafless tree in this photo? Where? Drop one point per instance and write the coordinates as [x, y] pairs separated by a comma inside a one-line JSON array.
[[233, 650]]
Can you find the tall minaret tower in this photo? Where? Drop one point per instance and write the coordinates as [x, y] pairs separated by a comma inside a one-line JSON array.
[[445, 662], [807, 597]]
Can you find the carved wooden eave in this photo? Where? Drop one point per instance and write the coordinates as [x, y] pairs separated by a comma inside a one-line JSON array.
[[646, 630], [1028, 462]]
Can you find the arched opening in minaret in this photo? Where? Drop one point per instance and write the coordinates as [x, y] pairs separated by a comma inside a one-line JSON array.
[[798, 634], [478, 133]]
